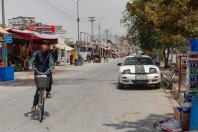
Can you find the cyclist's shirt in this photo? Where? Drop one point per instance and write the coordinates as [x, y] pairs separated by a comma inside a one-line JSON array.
[[42, 61]]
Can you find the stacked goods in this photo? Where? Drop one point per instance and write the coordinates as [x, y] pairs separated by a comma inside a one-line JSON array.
[[18, 67], [192, 75]]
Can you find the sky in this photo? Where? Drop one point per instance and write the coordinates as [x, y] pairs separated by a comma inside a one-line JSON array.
[[64, 13]]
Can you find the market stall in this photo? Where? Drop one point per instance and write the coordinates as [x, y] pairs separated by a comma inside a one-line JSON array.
[[6, 72], [25, 42], [64, 50]]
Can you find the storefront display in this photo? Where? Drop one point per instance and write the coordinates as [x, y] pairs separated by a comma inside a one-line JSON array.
[[192, 82], [6, 72], [192, 74]]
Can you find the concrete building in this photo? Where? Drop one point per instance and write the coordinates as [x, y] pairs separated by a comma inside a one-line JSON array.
[[60, 31], [20, 22]]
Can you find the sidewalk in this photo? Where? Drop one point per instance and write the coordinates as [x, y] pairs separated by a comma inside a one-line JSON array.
[[28, 74], [179, 97]]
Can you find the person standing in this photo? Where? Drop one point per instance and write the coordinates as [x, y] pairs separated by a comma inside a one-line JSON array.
[[157, 61], [106, 58], [55, 56]]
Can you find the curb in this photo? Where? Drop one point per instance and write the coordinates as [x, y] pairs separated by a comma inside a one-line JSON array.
[[27, 74], [179, 97]]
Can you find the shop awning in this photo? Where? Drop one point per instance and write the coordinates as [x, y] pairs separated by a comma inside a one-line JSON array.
[[34, 36], [64, 46], [3, 31], [61, 44]]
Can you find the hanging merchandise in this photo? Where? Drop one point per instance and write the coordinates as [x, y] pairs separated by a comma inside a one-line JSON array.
[[1, 58], [192, 75]]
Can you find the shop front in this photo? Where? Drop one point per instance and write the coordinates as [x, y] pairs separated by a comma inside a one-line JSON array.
[[24, 43], [6, 72], [63, 51]]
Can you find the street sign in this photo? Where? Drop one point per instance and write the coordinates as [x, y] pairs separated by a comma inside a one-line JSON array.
[[8, 38]]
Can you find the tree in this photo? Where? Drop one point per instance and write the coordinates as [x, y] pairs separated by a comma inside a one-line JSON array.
[[164, 22]]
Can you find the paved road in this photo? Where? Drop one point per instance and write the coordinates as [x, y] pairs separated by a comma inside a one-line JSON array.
[[85, 99]]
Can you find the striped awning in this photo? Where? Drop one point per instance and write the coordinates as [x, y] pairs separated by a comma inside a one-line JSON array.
[[3, 31], [63, 46]]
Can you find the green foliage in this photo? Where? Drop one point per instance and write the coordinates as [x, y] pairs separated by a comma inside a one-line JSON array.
[[159, 24], [17, 67]]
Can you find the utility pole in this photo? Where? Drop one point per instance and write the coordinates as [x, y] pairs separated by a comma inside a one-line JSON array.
[[110, 34], [78, 20], [106, 34], [91, 19], [3, 14], [81, 37], [99, 26], [84, 36], [116, 42], [87, 42]]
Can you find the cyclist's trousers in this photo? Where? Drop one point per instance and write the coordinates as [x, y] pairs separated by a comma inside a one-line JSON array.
[[36, 96]]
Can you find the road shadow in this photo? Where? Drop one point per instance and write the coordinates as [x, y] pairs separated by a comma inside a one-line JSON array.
[[143, 125], [56, 81], [34, 115], [30, 82], [138, 87], [18, 82]]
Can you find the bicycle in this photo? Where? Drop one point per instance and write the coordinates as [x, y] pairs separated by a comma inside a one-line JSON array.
[[169, 81], [42, 83]]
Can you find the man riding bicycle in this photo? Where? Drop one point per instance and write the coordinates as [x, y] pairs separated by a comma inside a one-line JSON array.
[[42, 60]]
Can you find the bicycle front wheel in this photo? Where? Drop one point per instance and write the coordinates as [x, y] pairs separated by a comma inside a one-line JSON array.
[[41, 105]]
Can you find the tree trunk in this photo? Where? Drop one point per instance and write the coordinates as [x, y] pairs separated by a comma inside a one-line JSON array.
[[166, 58]]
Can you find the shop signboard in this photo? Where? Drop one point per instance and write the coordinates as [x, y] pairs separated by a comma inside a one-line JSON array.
[[192, 82], [192, 69], [1, 38], [8, 38]]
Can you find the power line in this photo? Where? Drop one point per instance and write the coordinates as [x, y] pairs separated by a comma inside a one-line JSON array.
[[55, 12], [58, 9], [83, 11], [62, 15], [65, 8]]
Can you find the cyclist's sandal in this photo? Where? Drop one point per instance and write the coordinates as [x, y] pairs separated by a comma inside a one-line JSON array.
[[48, 95], [33, 109]]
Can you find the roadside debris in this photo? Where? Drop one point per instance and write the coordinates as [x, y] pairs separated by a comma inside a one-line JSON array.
[[168, 124]]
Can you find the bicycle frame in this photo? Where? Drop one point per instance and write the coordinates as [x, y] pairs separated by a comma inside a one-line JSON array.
[[41, 104], [41, 78], [170, 84]]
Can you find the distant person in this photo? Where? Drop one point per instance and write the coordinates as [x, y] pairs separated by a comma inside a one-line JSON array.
[[92, 57], [55, 55], [157, 61], [88, 58], [80, 58], [106, 58]]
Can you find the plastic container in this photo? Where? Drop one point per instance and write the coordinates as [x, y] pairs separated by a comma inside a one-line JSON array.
[[193, 45], [194, 114], [7, 73]]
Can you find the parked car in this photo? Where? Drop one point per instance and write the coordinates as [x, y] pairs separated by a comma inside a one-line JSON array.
[[138, 69]]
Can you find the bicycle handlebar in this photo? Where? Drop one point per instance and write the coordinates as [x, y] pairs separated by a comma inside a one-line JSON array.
[[41, 73]]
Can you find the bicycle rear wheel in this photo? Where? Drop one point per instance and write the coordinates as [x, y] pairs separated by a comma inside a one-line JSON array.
[[170, 86], [41, 105]]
